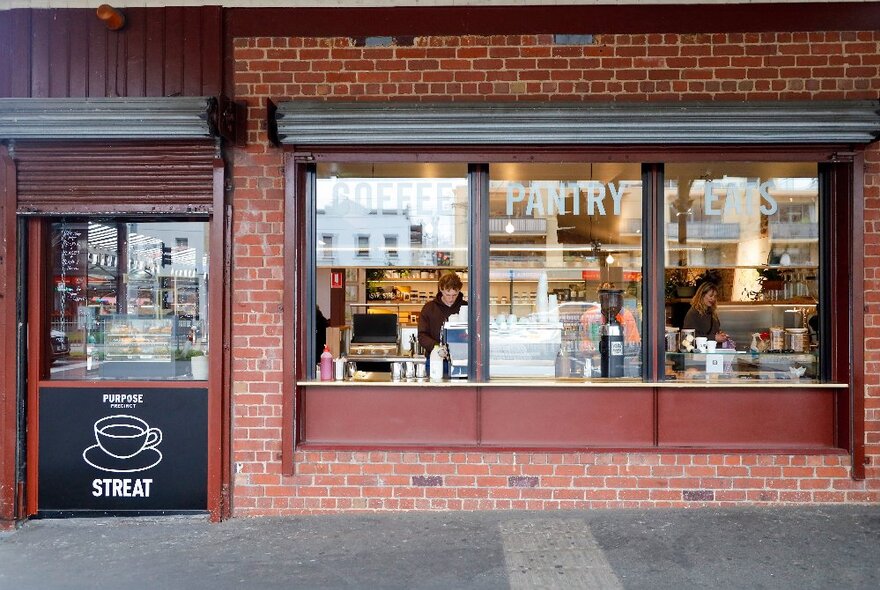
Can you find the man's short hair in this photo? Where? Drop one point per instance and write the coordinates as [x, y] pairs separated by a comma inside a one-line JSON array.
[[448, 281]]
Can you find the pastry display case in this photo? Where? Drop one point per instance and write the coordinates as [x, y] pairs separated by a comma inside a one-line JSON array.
[[139, 348]]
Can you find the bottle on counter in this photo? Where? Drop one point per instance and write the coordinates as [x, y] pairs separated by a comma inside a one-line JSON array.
[[326, 364], [436, 362], [339, 369], [563, 361]]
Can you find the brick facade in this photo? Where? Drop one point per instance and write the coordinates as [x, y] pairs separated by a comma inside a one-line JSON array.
[[667, 67]]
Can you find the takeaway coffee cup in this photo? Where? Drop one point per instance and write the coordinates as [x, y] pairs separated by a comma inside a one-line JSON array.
[[123, 436], [700, 341], [711, 345]]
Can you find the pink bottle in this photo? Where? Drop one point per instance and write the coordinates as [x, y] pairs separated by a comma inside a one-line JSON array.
[[326, 364]]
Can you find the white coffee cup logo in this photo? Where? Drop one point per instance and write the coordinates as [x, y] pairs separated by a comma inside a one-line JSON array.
[[124, 436]]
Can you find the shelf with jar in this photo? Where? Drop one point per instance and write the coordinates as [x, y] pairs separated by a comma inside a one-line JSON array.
[[405, 286], [743, 365], [757, 283]]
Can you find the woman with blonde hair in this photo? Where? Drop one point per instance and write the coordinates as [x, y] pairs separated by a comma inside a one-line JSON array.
[[702, 317]]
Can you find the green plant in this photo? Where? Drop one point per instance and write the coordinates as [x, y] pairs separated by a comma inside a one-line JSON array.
[[676, 279], [768, 273], [770, 279], [710, 275], [185, 355]]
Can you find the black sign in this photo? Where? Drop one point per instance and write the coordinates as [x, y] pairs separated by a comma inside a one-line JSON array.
[[123, 449]]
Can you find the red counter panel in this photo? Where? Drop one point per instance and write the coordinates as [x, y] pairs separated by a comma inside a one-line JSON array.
[[391, 415], [575, 417], [735, 418]]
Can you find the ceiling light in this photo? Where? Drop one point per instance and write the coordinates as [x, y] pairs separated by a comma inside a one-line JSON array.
[[509, 227]]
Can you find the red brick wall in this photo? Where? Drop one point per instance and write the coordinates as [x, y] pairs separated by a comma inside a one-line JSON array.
[[759, 66]]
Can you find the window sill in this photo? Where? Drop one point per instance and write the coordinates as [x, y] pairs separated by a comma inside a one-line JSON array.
[[707, 383]]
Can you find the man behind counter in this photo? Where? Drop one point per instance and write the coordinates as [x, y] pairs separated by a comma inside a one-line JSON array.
[[434, 314]]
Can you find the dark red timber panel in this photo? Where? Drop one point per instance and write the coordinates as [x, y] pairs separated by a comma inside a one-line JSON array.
[[70, 53], [790, 417], [567, 417], [115, 176], [390, 415], [8, 393]]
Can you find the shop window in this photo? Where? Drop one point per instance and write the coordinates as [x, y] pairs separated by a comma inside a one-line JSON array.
[[125, 304], [565, 245], [742, 268], [418, 213]]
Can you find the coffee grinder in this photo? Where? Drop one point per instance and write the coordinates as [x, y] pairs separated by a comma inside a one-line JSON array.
[[611, 333]]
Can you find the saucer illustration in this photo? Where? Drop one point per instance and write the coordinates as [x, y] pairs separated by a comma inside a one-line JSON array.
[[97, 458]]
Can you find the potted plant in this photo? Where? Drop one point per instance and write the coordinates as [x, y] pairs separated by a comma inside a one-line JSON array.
[[198, 365], [710, 275], [770, 279], [678, 285]]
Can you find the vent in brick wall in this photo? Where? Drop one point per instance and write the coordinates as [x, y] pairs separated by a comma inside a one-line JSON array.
[[572, 39], [383, 41], [351, 124]]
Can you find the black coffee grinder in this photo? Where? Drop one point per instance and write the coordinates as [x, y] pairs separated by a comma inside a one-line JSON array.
[[611, 333]]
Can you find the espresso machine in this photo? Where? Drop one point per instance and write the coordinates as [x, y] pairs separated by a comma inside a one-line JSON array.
[[611, 333]]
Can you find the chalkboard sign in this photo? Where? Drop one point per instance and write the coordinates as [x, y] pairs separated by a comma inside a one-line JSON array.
[[123, 449]]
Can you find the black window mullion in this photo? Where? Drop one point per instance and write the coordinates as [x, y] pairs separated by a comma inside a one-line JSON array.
[[478, 272], [309, 296], [653, 272]]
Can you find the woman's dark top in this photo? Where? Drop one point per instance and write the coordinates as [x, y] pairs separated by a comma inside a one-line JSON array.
[[321, 325], [434, 315], [703, 324]]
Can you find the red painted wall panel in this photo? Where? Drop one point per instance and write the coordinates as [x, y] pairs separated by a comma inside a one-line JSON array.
[[560, 417], [70, 53], [719, 417], [390, 415]]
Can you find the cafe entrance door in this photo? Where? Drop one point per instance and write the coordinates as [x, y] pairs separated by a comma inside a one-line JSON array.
[[124, 340]]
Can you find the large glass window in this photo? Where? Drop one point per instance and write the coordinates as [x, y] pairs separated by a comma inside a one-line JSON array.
[[565, 259], [387, 234], [130, 299], [742, 268], [565, 271]]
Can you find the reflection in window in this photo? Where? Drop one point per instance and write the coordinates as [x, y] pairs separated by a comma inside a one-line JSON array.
[[752, 231], [363, 245], [560, 235], [127, 304], [396, 229], [391, 247]]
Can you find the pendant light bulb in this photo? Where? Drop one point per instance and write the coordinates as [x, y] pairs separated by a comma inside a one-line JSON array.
[[509, 227], [609, 259]]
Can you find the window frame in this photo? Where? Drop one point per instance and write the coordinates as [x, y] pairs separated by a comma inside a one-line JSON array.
[[842, 170]]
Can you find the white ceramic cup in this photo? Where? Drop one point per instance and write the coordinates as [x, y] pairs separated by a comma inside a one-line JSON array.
[[711, 345], [701, 343]]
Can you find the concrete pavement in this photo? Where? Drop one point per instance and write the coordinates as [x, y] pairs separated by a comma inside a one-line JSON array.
[[768, 548]]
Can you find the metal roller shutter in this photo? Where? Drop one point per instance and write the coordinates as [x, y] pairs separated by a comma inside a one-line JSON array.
[[115, 177]]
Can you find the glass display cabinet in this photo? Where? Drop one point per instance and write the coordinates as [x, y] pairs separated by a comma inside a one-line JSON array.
[[141, 348]]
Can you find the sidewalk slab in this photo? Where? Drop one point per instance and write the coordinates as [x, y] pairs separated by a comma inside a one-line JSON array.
[[791, 547]]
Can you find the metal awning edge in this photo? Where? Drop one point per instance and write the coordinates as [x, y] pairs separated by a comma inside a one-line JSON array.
[[315, 123], [108, 118]]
